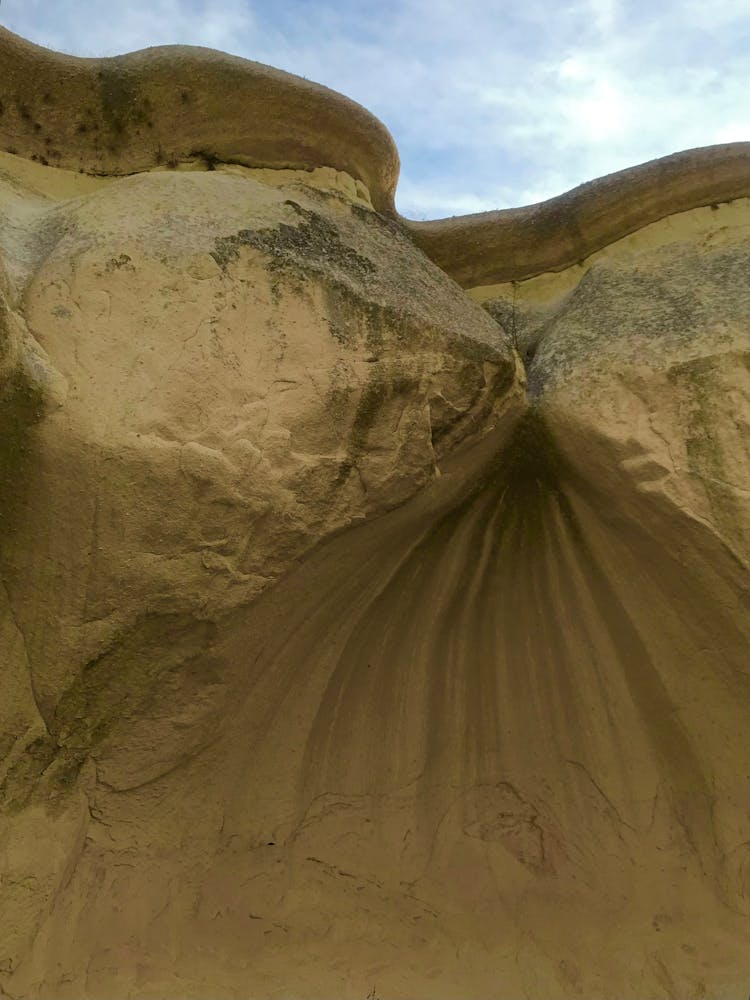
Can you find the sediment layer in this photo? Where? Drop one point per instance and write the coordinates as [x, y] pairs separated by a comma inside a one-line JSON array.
[[170, 104]]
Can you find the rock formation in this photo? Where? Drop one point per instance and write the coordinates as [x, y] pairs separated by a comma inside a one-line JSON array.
[[375, 602]]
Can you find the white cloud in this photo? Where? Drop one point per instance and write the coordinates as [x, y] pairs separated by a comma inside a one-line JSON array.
[[734, 131], [91, 29], [604, 13], [595, 104]]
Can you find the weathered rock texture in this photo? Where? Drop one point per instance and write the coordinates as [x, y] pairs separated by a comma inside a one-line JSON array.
[[357, 639]]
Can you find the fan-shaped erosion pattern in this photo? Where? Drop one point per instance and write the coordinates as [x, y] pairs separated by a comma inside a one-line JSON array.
[[360, 635]]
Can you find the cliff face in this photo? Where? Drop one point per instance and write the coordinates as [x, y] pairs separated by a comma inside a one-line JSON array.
[[356, 638]]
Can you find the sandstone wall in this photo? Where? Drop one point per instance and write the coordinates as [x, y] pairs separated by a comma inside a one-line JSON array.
[[359, 635]]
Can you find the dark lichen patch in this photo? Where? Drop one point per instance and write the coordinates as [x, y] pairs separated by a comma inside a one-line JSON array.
[[314, 246], [356, 317], [345, 470], [530, 353], [107, 691], [116, 99], [695, 377], [118, 263], [207, 157], [374, 397], [371, 402], [505, 314], [701, 390], [121, 105], [373, 218], [352, 318], [21, 407], [473, 373], [371, 300], [23, 776], [338, 400]]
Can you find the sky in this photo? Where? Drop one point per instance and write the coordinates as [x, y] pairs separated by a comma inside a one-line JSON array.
[[492, 103]]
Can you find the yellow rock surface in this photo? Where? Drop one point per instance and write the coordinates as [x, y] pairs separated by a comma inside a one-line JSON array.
[[356, 639]]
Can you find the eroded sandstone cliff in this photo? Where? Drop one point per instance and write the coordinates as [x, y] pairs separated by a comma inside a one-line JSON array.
[[356, 638]]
